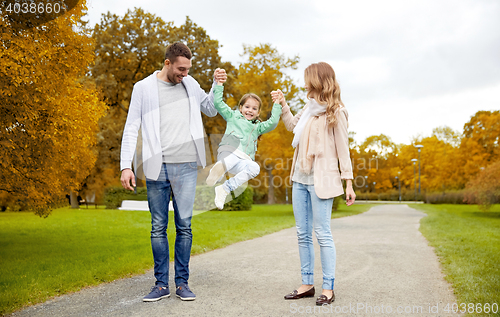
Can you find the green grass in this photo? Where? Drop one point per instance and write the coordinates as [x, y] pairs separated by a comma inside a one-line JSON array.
[[467, 242], [75, 248]]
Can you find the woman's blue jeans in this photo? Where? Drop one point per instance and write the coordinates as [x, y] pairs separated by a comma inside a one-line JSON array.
[[312, 212], [179, 181]]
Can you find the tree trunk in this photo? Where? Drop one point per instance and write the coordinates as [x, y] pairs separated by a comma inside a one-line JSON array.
[[74, 200], [270, 192]]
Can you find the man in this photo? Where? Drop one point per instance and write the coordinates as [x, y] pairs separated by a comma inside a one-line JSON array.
[[166, 105]]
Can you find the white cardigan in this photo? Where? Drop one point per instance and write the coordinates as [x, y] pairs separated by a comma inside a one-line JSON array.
[[144, 112]]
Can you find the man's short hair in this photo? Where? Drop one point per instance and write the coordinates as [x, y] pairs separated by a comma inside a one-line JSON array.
[[175, 50]]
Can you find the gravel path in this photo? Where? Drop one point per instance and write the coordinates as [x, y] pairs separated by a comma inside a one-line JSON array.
[[384, 267]]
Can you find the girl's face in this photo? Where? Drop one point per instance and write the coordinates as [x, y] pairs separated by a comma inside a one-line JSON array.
[[250, 109]]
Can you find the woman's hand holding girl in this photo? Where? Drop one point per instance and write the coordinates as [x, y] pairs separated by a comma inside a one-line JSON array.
[[278, 97]]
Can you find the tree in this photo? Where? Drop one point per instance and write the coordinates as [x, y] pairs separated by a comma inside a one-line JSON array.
[[275, 156], [447, 135], [205, 60], [484, 128], [375, 158], [48, 112], [263, 72], [128, 49], [484, 189], [479, 145]]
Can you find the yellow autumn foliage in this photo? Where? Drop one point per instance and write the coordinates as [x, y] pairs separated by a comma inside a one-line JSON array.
[[48, 113]]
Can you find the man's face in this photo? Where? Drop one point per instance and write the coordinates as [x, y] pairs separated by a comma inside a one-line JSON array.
[[178, 70]]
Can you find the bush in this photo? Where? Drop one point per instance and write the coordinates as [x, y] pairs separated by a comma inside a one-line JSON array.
[[390, 195], [337, 201], [113, 196], [449, 197], [205, 195], [204, 198], [366, 196], [484, 189], [243, 202]]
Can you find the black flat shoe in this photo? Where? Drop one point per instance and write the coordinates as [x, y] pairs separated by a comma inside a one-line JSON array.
[[323, 300], [296, 295]]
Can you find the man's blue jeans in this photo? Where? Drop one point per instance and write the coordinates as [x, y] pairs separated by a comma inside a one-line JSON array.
[[178, 180], [312, 212]]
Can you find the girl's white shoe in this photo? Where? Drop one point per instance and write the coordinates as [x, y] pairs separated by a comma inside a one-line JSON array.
[[215, 174], [220, 196]]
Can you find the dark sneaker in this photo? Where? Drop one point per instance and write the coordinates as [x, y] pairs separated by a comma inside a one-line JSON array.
[[184, 293], [157, 293]]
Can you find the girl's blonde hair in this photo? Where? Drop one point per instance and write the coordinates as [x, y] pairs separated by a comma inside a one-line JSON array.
[[323, 87]]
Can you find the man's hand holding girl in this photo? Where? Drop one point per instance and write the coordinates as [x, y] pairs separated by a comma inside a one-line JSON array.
[[220, 76]]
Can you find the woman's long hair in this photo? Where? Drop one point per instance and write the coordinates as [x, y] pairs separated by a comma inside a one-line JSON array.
[[322, 85]]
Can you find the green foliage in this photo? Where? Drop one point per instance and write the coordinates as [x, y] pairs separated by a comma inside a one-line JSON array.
[[336, 202], [243, 202], [205, 196], [467, 242], [113, 196]]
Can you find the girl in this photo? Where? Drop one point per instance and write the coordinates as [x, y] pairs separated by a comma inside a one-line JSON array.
[[320, 142], [236, 153]]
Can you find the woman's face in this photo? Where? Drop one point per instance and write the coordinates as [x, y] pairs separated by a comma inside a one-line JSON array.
[[307, 88]]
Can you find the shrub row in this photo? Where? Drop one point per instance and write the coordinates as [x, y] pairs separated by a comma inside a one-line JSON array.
[[113, 196], [204, 198], [447, 197], [450, 197], [391, 195]]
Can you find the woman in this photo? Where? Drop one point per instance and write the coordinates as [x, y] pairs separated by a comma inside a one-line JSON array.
[[321, 142]]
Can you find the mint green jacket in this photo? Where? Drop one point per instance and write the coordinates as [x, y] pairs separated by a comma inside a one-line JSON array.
[[241, 133]]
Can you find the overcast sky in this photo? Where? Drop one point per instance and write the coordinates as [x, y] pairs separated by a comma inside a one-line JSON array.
[[404, 67]]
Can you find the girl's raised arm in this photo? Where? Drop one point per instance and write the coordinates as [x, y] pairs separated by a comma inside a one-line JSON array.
[[288, 118], [219, 104]]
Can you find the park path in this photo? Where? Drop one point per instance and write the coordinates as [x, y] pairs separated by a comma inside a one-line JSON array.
[[384, 267]]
